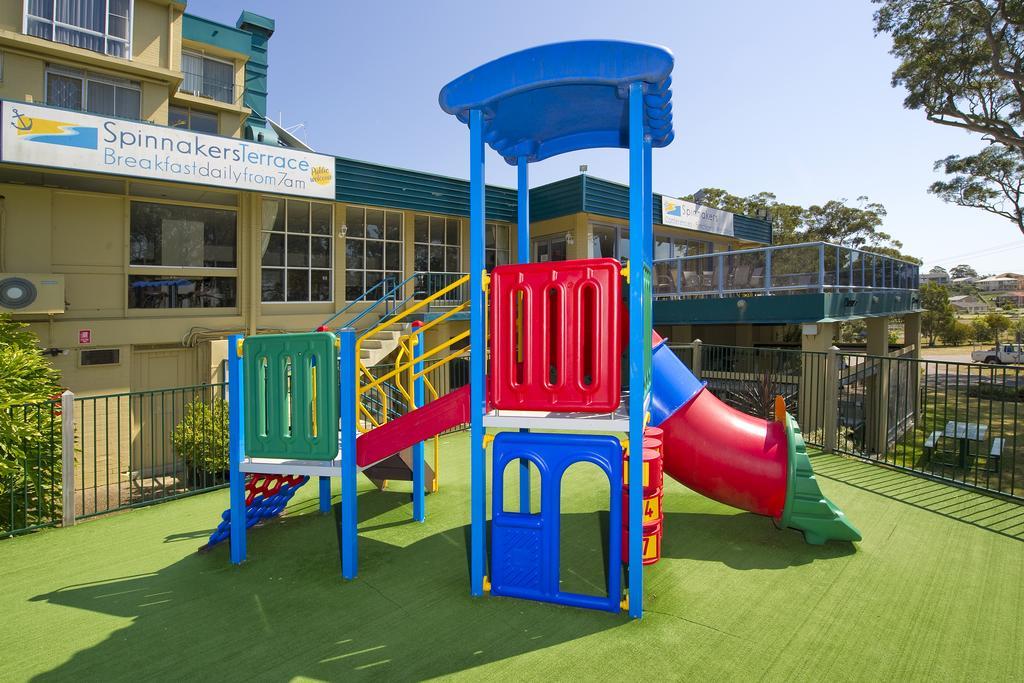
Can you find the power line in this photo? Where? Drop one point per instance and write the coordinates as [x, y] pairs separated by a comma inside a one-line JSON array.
[[964, 256]]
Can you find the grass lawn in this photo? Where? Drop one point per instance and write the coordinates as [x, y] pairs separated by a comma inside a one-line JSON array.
[[934, 592]]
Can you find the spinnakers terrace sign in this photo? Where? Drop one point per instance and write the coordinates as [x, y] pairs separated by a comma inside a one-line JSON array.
[[683, 214], [43, 136]]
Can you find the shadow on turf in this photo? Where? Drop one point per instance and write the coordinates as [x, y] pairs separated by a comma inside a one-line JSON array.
[[286, 612], [999, 516]]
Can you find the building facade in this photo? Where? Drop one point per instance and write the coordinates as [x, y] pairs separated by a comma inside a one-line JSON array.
[[149, 208]]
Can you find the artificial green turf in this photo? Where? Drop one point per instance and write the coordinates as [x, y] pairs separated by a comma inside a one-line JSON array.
[[934, 592]]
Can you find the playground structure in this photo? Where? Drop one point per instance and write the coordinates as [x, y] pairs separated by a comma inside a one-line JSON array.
[[549, 366]]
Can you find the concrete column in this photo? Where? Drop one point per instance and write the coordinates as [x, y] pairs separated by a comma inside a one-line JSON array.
[[912, 335], [814, 343], [745, 335], [876, 394]]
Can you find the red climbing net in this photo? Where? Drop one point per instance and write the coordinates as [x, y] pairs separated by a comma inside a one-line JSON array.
[[269, 484]]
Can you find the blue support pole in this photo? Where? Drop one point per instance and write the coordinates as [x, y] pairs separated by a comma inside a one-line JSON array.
[[325, 494], [523, 253], [347, 409], [637, 250], [236, 448], [478, 351], [418, 398]]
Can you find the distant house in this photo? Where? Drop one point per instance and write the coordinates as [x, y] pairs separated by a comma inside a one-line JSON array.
[[1005, 282], [936, 275], [968, 303], [963, 281], [1014, 298]]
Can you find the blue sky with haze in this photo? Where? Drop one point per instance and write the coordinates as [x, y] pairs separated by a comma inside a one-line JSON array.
[[791, 97]]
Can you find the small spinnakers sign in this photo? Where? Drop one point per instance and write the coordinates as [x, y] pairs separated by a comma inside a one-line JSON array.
[[57, 138], [683, 214]]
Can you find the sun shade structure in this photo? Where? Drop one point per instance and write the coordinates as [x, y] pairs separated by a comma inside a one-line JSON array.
[[564, 97], [530, 106]]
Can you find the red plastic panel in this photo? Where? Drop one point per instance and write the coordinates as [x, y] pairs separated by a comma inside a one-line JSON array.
[[555, 341], [446, 412]]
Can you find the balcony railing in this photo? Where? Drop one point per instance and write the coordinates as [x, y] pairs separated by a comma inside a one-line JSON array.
[[789, 269]]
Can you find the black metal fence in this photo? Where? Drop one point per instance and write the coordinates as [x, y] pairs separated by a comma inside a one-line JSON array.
[[955, 422]]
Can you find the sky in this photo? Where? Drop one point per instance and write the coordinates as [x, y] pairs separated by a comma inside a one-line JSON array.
[[789, 97]]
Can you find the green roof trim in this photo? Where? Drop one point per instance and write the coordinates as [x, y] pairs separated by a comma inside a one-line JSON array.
[[216, 34], [792, 308], [362, 182], [252, 19], [606, 198]]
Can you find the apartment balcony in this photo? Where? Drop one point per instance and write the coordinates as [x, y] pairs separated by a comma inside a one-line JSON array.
[[798, 283]]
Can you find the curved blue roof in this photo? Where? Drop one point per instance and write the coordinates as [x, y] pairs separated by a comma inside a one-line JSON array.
[[563, 97]]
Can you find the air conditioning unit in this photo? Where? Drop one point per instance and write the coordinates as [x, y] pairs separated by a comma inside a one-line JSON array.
[[31, 293]]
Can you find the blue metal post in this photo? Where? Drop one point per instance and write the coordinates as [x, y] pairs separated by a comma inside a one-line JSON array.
[[236, 448], [523, 253], [821, 268], [418, 510], [347, 408], [325, 494], [636, 348], [477, 354]]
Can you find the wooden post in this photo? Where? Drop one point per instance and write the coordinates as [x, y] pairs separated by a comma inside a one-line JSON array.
[[695, 366]]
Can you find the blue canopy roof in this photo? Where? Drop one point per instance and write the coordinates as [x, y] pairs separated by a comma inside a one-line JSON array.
[[562, 97]]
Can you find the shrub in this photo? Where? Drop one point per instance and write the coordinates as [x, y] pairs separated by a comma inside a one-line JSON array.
[[201, 438], [30, 431], [956, 333]]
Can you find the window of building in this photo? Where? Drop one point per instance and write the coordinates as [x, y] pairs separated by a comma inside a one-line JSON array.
[[87, 357], [93, 93], [192, 119], [297, 251], [172, 291], [497, 245], [553, 248], [207, 77], [612, 241], [373, 250], [437, 252], [171, 235], [97, 25], [182, 256]]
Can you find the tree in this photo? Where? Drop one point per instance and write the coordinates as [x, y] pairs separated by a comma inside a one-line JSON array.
[[834, 221], [962, 63], [992, 180], [997, 323], [938, 312], [962, 270], [980, 331], [955, 333]]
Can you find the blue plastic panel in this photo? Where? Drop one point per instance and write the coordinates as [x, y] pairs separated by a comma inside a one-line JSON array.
[[525, 547]]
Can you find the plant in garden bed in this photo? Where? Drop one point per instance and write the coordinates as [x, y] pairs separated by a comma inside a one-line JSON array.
[[201, 438], [30, 431]]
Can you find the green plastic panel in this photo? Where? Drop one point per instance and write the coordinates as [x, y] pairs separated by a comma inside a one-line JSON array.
[[290, 382]]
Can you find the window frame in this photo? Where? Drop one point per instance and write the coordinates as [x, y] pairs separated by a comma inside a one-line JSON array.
[[203, 57], [494, 225], [86, 77], [183, 271], [309, 267], [128, 40], [189, 111], [385, 271]]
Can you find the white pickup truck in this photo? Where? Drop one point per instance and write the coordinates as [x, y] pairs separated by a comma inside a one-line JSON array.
[[1004, 353]]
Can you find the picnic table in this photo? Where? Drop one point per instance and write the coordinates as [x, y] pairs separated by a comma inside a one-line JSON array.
[[966, 435]]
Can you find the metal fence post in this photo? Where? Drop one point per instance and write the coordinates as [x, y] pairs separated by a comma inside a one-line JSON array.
[[831, 399], [695, 366], [768, 271], [67, 472]]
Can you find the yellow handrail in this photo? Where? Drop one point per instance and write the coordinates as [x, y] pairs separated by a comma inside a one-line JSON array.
[[362, 370]]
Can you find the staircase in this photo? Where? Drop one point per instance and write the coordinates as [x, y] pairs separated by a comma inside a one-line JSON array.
[[381, 344]]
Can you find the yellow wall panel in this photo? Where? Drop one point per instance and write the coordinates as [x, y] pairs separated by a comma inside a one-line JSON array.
[[26, 225], [149, 34], [88, 229], [94, 293]]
